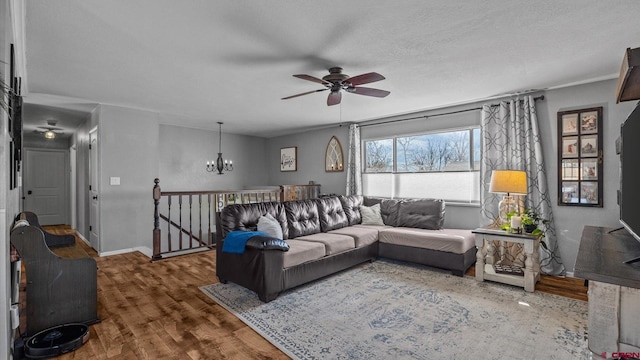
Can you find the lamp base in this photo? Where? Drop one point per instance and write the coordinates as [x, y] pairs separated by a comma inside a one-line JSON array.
[[507, 205]]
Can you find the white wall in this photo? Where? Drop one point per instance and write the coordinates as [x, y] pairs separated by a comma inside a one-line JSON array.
[[185, 151], [312, 146], [570, 220], [128, 149]]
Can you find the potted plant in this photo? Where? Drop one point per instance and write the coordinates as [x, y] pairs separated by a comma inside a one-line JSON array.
[[530, 221]]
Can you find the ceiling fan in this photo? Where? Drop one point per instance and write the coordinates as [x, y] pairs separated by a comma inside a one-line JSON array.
[[337, 81], [50, 131]]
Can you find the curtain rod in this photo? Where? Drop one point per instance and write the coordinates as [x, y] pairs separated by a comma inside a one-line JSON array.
[[541, 97]]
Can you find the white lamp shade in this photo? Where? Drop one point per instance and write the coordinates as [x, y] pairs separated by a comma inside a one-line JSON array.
[[508, 181]]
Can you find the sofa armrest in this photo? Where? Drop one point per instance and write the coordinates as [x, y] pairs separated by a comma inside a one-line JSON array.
[[267, 243]]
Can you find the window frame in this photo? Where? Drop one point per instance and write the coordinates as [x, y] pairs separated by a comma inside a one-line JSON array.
[[394, 167]]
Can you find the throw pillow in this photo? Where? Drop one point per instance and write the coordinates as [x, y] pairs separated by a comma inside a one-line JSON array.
[[269, 225], [20, 223], [371, 215]]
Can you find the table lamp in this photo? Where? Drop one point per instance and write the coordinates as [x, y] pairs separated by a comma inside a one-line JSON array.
[[509, 182]]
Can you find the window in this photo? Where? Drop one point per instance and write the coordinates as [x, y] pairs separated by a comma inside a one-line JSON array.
[[441, 165], [379, 155]]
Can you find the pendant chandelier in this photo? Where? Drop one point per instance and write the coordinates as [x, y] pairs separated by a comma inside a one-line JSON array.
[[220, 164]]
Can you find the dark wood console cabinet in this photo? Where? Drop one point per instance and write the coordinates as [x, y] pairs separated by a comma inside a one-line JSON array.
[[614, 289]]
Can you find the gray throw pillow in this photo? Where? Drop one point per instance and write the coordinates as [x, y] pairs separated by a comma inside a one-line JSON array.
[[421, 213], [371, 215], [269, 225]]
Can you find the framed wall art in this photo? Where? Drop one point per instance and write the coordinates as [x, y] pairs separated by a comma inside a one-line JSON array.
[[333, 158], [580, 157], [289, 159]]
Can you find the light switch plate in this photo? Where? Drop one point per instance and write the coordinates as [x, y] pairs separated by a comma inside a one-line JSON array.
[[114, 180]]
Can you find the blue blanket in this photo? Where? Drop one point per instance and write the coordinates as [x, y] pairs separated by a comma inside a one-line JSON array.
[[235, 241]]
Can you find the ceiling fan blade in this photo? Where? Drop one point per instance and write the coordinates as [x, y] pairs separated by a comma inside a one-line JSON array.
[[49, 128], [334, 98], [304, 93], [311, 78], [370, 92], [365, 78]]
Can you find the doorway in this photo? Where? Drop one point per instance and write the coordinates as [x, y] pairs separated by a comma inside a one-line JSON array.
[[94, 186], [46, 183]]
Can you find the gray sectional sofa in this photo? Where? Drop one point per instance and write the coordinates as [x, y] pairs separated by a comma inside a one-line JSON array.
[[326, 235]]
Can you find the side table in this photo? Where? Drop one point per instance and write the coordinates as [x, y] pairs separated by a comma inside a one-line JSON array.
[[485, 259]]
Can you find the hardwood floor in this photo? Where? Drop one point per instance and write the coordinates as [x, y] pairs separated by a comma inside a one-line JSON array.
[[156, 311]]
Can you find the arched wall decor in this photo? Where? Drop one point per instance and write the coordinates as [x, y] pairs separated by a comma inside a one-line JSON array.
[[333, 159]]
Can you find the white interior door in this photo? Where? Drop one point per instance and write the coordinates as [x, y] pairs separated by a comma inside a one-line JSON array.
[[94, 218], [46, 184]]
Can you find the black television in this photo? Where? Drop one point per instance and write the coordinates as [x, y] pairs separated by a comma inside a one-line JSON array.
[[629, 197]]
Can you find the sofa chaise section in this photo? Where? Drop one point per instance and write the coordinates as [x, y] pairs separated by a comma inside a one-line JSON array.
[[413, 232], [451, 249]]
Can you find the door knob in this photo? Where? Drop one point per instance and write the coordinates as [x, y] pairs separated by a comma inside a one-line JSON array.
[[29, 192], [95, 197]]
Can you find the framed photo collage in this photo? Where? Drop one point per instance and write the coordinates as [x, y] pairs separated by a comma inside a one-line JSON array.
[[580, 157]]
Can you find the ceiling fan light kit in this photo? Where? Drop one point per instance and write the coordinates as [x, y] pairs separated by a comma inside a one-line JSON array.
[[50, 131], [337, 81]]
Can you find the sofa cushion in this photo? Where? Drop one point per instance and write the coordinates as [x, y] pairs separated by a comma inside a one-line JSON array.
[[302, 217], [361, 234], [449, 240], [351, 205], [301, 252], [246, 216], [333, 243], [371, 215], [269, 225], [421, 213], [331, 213], [388, 208], [375, 227]]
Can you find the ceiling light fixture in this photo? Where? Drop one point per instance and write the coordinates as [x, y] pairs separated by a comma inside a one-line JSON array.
[[49, 134], [220, 165]]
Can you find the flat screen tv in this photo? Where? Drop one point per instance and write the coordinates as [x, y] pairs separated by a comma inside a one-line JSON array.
[[630, 175]]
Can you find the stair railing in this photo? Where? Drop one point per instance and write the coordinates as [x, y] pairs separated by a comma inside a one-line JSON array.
[[188, 216]]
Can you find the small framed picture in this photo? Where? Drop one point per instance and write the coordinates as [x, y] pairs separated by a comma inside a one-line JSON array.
[[589, 122], [289, 159], [589, 169], [570, 169], [570, 146], [589, 145], [570, 192], [589, 192], [570, 124]]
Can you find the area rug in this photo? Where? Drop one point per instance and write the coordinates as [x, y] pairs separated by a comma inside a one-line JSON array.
[[393, 310]]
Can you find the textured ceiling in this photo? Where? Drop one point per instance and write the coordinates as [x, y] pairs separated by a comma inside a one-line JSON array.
[[199, 62]]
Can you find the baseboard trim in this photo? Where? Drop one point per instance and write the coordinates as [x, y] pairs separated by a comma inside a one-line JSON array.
[[143, 249], [83, 238]]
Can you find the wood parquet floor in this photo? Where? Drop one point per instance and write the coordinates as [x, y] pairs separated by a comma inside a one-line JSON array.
[[156, 311]]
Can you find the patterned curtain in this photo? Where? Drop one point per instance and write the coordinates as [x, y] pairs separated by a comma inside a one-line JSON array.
[[511, 140], [354, 173]]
